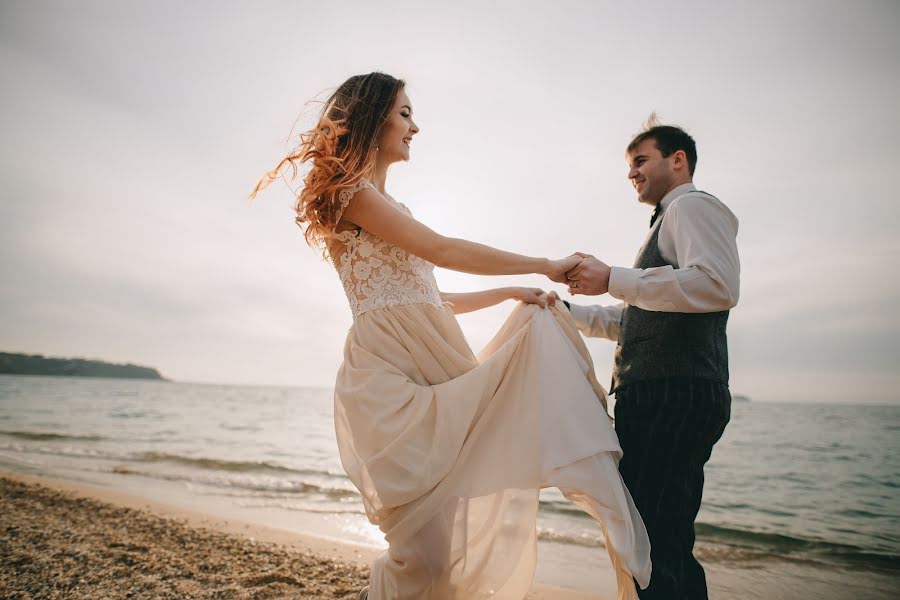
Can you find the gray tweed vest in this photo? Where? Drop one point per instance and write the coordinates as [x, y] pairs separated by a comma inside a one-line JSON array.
[[656, 345]]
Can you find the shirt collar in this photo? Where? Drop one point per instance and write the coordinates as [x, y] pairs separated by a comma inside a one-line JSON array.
[[676, 191]]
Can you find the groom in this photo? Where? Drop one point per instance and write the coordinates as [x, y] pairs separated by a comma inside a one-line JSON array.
[[671, 365]]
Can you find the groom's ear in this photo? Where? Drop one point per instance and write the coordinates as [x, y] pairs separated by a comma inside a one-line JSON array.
[[679, 160]]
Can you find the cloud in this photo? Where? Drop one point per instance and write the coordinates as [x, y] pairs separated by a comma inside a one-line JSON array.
[[132, 138]]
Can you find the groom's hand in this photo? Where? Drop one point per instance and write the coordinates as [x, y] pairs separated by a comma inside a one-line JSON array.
[[590, 277]]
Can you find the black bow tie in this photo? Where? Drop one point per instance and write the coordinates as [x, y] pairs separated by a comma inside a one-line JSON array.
[[656, 213]]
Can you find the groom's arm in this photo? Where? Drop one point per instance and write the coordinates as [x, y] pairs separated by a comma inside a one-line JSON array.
[[698, 235], [597, 321]]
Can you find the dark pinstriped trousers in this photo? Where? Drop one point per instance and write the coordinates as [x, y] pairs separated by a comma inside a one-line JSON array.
[[667, 428]]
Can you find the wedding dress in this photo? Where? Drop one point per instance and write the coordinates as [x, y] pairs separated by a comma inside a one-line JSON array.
[[450, 450]]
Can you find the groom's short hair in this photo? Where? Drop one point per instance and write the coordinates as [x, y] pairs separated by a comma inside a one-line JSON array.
[[669, 139]]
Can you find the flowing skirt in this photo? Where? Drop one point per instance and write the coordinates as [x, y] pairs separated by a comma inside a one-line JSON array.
[[450, 450]]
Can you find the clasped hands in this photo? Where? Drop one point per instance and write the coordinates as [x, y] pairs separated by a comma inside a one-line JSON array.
[[583, 273]]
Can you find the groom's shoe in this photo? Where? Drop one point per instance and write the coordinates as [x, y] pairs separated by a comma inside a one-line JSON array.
[[364, 593]]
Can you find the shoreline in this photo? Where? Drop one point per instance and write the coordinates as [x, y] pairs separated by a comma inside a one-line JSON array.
[[330, 568]]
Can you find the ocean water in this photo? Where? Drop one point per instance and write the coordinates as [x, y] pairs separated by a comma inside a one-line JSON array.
[[815, 485]]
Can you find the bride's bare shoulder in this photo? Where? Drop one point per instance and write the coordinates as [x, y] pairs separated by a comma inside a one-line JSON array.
[[368, 203]]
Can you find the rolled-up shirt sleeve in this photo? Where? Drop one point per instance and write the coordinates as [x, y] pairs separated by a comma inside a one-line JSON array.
[[698, 235], [598, 321]]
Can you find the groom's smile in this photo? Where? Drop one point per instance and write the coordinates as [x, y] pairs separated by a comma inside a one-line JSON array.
[[653, 174]]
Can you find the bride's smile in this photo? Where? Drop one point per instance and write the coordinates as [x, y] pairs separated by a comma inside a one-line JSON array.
[[397, 132]]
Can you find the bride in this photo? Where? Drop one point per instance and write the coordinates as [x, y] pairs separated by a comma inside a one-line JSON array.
[[450, 450]]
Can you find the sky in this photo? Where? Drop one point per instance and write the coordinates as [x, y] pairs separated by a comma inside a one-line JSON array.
[[133, 132]]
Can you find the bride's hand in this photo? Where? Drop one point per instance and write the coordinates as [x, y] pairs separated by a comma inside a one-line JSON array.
[[557, 269], [529, 295]]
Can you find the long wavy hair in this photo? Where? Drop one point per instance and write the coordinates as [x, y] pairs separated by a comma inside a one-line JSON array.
[[341, 149]]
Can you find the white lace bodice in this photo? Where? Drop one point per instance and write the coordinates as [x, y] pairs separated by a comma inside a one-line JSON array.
[[376, 274]]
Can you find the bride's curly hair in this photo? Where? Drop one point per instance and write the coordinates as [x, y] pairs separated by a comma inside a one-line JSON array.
[[341, 148]]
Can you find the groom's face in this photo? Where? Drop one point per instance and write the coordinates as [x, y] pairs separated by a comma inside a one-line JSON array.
[[650, 173]]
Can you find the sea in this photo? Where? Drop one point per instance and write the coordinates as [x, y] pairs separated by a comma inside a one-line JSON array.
[[801, 500]]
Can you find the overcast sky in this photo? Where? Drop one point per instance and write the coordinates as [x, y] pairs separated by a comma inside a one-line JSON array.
[[132, 132]]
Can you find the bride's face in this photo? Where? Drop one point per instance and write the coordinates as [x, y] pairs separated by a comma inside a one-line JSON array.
[[398, 131], [651, 174]]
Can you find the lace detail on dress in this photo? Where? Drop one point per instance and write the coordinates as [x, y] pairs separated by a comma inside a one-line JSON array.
[[376, 274], [346, 195]]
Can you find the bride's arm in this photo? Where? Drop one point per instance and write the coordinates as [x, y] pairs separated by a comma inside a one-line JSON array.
[[371, 211], [471, 301]]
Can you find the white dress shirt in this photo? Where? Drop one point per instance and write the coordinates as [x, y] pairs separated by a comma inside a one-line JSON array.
[[698, 236]]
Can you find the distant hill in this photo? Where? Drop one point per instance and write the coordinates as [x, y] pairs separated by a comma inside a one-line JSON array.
[[35, 364]]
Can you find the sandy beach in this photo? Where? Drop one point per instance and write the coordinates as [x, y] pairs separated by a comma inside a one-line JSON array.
[[62, 539]]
